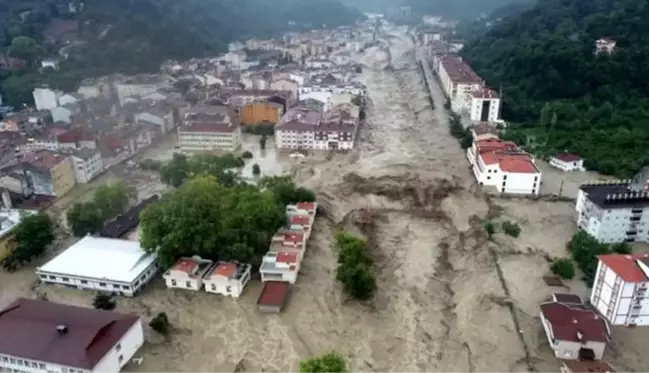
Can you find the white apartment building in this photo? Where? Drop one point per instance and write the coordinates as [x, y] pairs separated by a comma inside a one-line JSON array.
[[614, 211], [282, 266], [187, 273], [485, 105], [205, 137], [458, 81], [101, 264], [227, 278], [87, 164], [302, 128], [45, 98], [620, 289], [40, 336], [288, 241], [500, 164]]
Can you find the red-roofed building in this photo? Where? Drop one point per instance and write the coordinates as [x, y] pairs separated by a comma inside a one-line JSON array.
[[302, 208], [227, 278], [567, 162], [502, 165], [620, 289], [273, 296], [574, 331], [280, 266], [187, 273], [46, 336]]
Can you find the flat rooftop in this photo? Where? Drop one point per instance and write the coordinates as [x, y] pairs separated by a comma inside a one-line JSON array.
[[101, 258], [274, 293], [615, 194]]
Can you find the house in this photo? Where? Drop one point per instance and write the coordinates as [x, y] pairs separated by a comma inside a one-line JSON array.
[[9, 218], [620, 289], [101, 264], [45, 98], [87, 164], [127, 221], [302, 208], [281, 266], [227, 278], [64, 113], [48, 173], [586, 366], [288, 241], [42, 336], [614, 211], [187, 273], [574, 331], [52, 63], [605, 45], [76, 139], [70, 98], [567, 162], [262, 112], [484, 131], [484, 106], [274, 296]]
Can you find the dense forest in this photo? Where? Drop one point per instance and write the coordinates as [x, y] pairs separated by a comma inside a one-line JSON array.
[[132, 36], [458, 9], [559, 93]]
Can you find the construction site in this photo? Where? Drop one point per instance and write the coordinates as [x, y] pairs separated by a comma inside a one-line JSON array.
[[448, 298]]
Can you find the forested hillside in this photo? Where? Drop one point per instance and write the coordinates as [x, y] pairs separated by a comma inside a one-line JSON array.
[[458, 9], [563, 96], [133, 36]]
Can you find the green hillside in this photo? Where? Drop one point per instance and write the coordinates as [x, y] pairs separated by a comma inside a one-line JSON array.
[[458, 9], [562, 95]]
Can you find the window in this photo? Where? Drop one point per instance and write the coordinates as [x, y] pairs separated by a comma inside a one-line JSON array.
[[65, 279], [188, 284], [52, 277], [213, 287], [20, 362], [102, 284], [173, 282], [228, 289], [84, 282], [12, 360], [120, 358], [5, 359], [118, 347], [34, 365], [124, 287], [115, 286], [41, 365]]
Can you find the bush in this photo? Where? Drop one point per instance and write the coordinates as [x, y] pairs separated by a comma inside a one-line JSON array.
[[490, 228], [246, 155], [563, 268], [103, 301], [511, 228], [160, 323], [354, 266], [329, 363], [256, 170]]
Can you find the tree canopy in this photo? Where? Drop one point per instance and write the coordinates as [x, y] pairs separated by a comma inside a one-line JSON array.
[[563, 96], [355, 266], [181, 168], [584, 249], [458, 9], [32, 236], [107, 202]]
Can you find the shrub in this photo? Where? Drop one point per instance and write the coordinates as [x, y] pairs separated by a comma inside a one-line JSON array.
[[103, 301], [354, 266], [246, 155], [329, 363], [511, 228], [490, 228], [256, 170], [160, 323], [563, 268]]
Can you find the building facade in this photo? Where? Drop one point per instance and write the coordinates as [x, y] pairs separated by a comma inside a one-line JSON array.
[[485, 105], [205, 137], [49, 173], [227, 278], [262, 112], [187, 273], [45, 98], [87, 164], [282, 266], [567, 162]]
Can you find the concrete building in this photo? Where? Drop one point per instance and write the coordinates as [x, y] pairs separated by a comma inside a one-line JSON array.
[[274, 296], [187, 273], [101, 264], [205, 137], [227, 278], [586, 366], [41, 336], [282, 266], [502, 165], [49, 173], [458, 81], [620, 289], [605, 45], [87, 164], [485, 105], [262, 112], [567, 162], [614, 211], [45, 98], [574, 331], [302, 128], [9, 218]]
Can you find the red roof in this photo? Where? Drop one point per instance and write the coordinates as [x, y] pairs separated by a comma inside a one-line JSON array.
[[185, 265], [225, 269], [567, 157], [490, 145], [626, 266], [516, 163], [567, 321], [309, 206], [274, 293], [74, 135], [484, 93], [300, 220], [294, 237], [44, 159], [286, 257], [29, 330]]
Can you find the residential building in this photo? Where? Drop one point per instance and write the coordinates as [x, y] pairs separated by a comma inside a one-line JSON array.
[[70, 98], [45, 98], [281, 266], [500, 164], [227, 278], [567, 162], [44, 336], [75, 139], [285, 84], [614, 211], [87, 164], [160, 114], [296, 129], [9, 218], [274, 296], [204, 137], [620, 289], [574, 331], [48, 173], [484, 131], [289, 241], [458, 79], [586, 366], [605, 45], [187, 273], [101, 264], [337, 130], [127, 221], [485, 105], [262, 112], [302, 208]]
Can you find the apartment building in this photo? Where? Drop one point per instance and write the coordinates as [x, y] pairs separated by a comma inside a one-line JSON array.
[[614, 211], [262, 112], [227, 278], [88, 163], [485, 105], [281, 266], [458, 81], [620, 289], [302, 128], [49, 173], [208, 129]]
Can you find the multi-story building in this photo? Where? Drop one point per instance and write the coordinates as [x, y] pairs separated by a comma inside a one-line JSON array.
[[296, 129], [302, 128], [187, 273], [87, 164], [207, 129], [458, 80], [485, 105], [614, 211], [262, 112], [46, 99], [502, 165], [48, 173], [620, 289], [282, 266], [227, 278], [41, 336]]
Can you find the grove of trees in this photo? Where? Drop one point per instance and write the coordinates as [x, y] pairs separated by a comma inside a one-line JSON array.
[[584, 249], [108, 201], [181, 168], [354, 269], [559, 94], [332, 362], [32, 236]]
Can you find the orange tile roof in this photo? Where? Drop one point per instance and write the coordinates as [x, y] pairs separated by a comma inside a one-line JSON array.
[[286, 257], [489, 145], [300, 220], [225, 269], [516, 163], [488, 158], [625, 266], [185, 265], [294, 237], [309, 206]]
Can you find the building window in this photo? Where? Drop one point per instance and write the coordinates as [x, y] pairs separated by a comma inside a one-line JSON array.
[[188, 284], [52, 277], [228, 289], [120, 358], [124, 287], [102, 284], [213, 287], [118, 347], [34, 365], [20, 362], [41, 365], [173, 282], [65, 279], [84, 282]]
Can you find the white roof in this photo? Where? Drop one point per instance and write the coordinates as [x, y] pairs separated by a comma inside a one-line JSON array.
[[101, 258]]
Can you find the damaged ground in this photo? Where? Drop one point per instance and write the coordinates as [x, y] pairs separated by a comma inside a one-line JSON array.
[[448, 299]]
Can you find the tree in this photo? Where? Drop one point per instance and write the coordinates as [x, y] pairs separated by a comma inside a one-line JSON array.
[[328, 363], [354, 266], [32, 236], [176, 171], [103, 301], [563, 268], [204, 217], [84, 218], [285, 191], [25, 48], [256, 170], [490, 228], [511, 228], [113, 199], [160, 323]]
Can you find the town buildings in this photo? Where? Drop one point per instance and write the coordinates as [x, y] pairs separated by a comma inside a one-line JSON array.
[[280, 266], [620, 289], [46, 99], [101, 264], [567, 162], [48, 173], [574, 331], [227, 278], [485, 105], [614, 211], [208, 129], [87, 164], [187, 273], [43, 336]]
